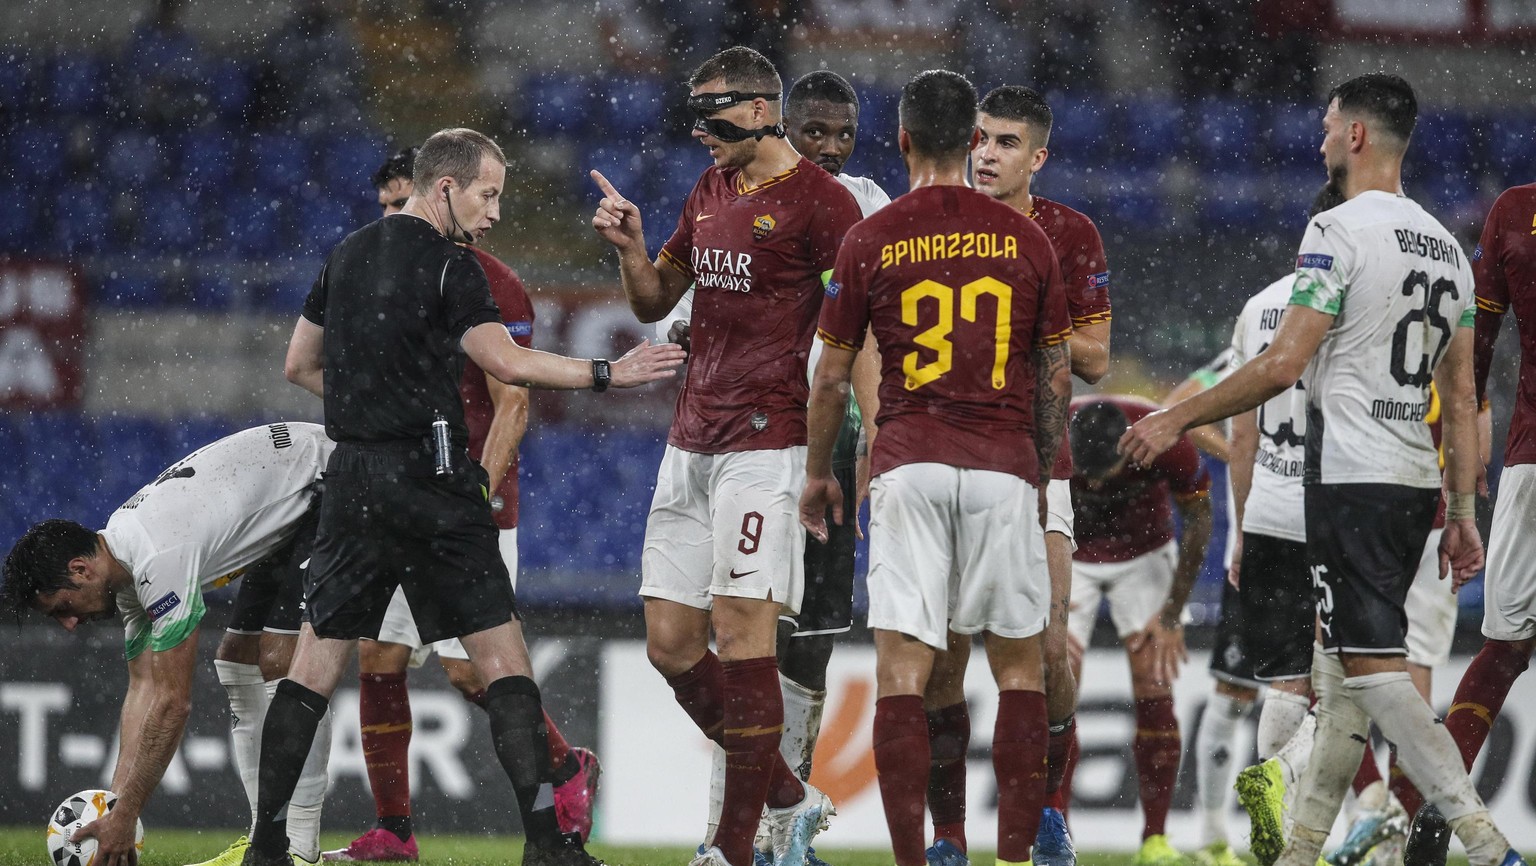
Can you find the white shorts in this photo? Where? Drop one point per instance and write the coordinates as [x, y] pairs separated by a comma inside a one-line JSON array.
[[1431, 609], [1509, 589], [726, 524], [1136, 589], [955, 549], [399, 627], [1058, 508]]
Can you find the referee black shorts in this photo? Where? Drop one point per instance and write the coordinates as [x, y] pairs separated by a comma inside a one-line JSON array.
[[1364, 542], [1230, 661], [826, 607], [1278, 609], [387, 520], [271, 596]]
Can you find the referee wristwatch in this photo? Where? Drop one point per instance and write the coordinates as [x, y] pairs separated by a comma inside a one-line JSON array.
[[602, 375]]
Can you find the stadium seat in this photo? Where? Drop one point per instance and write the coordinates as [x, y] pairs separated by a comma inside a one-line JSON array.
[[1234, 202], [16, 74], [877, 117], [36, 151], [1295, 133], [139, 453], [186, 435], [77, 84], [61, 455], [1133, 200], [1511, 145], [230, 83], [348, 161], [1152, 131], [559, 105], [171, 224], [625, 166], [1292, 192], [81, 217], [322, 223], [132, 160], [1225, 132], [1080, 129], [277, 162], [1444, 138], [19, 225], [631, 108], [206, 158], [677, 170], [251, 225], [128, 290], [1442, 189]]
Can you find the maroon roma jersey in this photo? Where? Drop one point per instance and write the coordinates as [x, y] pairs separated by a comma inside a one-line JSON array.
[[1132, 513], [1504, 268], [960, 290], [757, 258], [517, 313]]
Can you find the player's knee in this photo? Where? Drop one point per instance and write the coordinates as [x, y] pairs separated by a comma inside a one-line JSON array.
[[462, 676]]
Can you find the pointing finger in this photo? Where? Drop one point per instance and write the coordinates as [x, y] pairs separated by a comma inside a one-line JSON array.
[[605, 186]]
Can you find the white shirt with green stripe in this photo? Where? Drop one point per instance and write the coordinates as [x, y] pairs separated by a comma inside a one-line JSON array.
[[204, 520], [1398, 286]]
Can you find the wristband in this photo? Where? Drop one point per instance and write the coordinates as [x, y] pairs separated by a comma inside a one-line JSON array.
[[602, 375], [1460, 506]]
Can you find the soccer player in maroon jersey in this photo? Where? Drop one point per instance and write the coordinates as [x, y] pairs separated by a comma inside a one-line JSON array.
[[964, 297], [1015, 128], [1127, 553], [723, 548], [497, 417], [1504, 268]]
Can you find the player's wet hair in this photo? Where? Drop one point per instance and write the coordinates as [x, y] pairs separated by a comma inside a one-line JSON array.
[[1328, 198], [454, 153], [740, 68], [1386, 98], [938, 111], [399, 166], [39, 562], [1022, 105], [1096, 429], [821, 86]]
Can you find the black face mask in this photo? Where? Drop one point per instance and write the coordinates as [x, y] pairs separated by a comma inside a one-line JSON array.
[[705, 104]]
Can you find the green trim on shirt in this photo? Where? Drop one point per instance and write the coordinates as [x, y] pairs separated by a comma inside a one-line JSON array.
[[1468, 317], [135, 644], [826, 278], [178, 631], [1308, 294], [1207, 379]]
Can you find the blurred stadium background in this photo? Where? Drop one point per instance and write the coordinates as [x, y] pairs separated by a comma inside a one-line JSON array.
[[177, 171]]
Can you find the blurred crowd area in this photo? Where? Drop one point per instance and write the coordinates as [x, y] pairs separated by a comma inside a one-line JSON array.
[[191, 163]]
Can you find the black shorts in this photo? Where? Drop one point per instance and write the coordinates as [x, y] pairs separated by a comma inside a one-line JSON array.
[[271, 596], [1230, 661], [1364, 543], [387, 520], [827, 605], [1278, 608]]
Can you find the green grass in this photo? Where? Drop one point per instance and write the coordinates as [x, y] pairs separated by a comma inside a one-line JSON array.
[[23, 846]]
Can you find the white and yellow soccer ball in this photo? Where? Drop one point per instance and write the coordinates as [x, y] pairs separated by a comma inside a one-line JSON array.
[[75, 812]]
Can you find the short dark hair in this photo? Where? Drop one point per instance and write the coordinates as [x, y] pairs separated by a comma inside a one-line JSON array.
[[1327, 198], [1096, 429], [1385, 97], [821, 86], [740, 68], [454, 153], [938, 111], [39, 562], [1021, 104], [399, 166]]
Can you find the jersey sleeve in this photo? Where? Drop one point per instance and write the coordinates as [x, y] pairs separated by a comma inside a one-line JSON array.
[[466, 294], [678, 250], [1238, 348], [314, 302], [1180, 466], [845, 309], [170, 601], [830, 223], [516, 309], [1085, 272], [1324, 266], [1491, 296], [1053, 322]]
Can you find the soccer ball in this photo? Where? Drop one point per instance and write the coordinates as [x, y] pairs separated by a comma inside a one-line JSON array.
[[75, 812]]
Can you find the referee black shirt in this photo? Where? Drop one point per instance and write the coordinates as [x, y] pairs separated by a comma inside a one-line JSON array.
[[395, 298]]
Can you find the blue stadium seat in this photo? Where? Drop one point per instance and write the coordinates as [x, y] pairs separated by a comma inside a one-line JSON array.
[[62, 458], [77, 84], [1292, 192], [81, 212], [252, 225], [132, 159], [36, 152], [1080, 129], [285, 296], [1234, 201], [625, 166], [1295, 133], [19, 225], [1511, 145], [559, 105], [348, 161], [1441, 190], [1133, 200], [186, 435], [678, 168], [211, 292], [1444, 138], [172, 223], [277, 161], [206, 158], [16, 74], [322, 224], [231, 87], [1152, 130], [128, 290], [1226, 132], [631, 108], [139, 451], [877, 114]]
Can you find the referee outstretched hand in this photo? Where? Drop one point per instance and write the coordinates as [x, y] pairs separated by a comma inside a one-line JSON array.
[[646, 363], [617, 219]]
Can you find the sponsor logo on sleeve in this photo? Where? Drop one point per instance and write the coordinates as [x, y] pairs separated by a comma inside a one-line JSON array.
[[834, 288], [520, 329], [1098, 281], [1318, 261], [163, 605], [1477, 253]]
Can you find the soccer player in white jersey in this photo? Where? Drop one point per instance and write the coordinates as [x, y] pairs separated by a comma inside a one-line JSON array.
[[821, 118], [237, 506], [1381, 307]]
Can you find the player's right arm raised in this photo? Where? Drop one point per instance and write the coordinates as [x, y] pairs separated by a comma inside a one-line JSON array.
[[653, 288]]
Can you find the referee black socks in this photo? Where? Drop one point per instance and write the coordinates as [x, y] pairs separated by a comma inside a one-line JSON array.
[[522, 745], [286, 738]]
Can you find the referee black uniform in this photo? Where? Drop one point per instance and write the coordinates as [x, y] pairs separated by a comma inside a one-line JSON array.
[[395, 298]]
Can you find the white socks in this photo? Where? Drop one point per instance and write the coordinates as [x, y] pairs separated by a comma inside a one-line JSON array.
[[1426, 752], [1215, 768], [303, 811], [248, 698], [1296, 754], [802, 723], [1340, 741], [1280, 717]]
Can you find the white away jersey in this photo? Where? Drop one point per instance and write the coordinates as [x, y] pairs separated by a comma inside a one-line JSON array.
[[870, 197], [1398, 286], [205, 519], [1274, 505]]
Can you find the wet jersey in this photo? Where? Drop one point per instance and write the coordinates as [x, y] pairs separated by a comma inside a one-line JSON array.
[[1274, 505], [1504, 265]]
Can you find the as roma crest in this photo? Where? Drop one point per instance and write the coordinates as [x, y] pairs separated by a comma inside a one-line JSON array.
[[763, 225]]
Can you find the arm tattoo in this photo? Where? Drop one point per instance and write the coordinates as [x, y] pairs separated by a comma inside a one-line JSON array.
[[1052, 365]]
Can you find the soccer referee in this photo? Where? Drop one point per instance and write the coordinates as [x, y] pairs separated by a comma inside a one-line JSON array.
[[382, 340]]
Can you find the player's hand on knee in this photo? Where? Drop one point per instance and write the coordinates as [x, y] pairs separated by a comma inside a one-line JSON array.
[[821, 492], [617, 220], [646, 363]]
